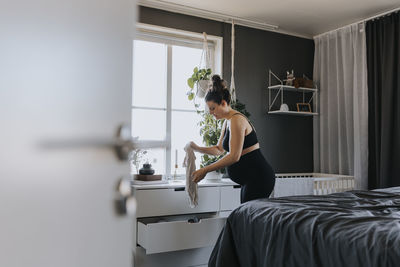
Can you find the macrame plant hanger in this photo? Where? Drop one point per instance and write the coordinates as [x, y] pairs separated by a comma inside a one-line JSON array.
[[202, 85], [206, 51], [232, 87]]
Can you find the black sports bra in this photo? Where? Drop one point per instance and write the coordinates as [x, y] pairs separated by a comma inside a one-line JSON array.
[[249, 139]]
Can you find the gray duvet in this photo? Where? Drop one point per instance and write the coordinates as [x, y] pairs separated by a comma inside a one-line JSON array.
[[356, 228]]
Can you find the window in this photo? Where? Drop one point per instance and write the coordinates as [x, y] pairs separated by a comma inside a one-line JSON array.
[[163, 61]]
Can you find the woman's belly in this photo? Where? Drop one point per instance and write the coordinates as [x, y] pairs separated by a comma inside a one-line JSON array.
[[250, 167], [250, 149]]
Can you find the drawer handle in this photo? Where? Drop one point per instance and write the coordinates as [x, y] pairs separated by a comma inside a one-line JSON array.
[[237, 186], [179, 189], [194, 220]]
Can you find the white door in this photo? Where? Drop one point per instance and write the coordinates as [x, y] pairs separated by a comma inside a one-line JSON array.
[[65, 79]]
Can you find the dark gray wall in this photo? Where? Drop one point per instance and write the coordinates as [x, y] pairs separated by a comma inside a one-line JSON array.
[[286, 141]]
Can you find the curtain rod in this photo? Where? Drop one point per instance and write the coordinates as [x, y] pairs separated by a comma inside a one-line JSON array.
[[361, 21], [206, 13], [216, 16]]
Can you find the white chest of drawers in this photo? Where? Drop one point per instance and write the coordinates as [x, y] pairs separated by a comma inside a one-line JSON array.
[[171, 233]]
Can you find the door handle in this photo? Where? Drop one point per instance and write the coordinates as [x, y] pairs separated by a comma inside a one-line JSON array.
[[122, 143], [124, 202], [125, 143]]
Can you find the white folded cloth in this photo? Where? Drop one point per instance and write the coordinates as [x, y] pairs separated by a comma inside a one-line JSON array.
[[191, 187]]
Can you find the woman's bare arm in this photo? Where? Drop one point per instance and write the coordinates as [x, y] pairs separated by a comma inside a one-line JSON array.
[[237, 133], [212, 150]]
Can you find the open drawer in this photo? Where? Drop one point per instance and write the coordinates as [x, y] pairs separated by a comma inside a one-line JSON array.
[[157, 235], [173, 201]]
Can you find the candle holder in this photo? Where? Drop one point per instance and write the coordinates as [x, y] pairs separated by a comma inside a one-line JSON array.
[[176, 163], [176, 167]]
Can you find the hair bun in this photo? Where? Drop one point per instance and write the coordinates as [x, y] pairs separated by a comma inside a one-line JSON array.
[[216, 78], [219, 90], [218, 82]]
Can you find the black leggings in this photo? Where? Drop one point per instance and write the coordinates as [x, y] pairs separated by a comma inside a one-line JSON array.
[[254, 174]]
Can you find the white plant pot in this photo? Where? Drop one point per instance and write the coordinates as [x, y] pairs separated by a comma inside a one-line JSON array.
[[213, 175], [202, 88]]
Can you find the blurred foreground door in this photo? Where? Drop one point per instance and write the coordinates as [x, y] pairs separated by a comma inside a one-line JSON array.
[[65, 86]]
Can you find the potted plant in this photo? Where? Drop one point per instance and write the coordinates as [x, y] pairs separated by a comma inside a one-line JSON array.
[[200, 78], [135, 158]]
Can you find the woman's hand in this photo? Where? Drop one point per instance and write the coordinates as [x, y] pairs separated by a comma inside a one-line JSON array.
[[199, 175], [194, 146]]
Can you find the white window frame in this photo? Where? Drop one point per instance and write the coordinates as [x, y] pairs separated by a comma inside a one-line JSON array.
[[169, 36]]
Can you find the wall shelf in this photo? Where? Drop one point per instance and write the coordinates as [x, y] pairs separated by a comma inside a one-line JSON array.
[[281, 88], [292, 88], [297, 113]]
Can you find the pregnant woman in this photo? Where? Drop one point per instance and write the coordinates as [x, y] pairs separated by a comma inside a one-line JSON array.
[[246, 164]]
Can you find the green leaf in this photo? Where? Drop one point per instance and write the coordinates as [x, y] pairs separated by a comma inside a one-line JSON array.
[[196, 69], [191, 96], [190, 82]]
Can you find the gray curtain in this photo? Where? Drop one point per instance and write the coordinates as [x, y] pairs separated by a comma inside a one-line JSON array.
[[383, 54], [341, 129]]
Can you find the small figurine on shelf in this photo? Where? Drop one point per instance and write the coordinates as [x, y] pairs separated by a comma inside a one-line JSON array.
[[289, 78], [284, 107], [303, 82]]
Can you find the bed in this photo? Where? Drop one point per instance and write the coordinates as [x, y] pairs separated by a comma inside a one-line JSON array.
[[355, 228]]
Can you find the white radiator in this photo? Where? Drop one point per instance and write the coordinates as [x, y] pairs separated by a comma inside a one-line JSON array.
[[291, 184]]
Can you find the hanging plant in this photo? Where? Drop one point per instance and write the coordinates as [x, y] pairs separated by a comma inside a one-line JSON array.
[[199, 79], [201, 76]]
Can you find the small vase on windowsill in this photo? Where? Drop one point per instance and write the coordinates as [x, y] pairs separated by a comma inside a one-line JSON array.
[[214, 175]]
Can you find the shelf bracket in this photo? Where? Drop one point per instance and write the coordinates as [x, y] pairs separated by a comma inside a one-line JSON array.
[[280, 91], [270, 76]]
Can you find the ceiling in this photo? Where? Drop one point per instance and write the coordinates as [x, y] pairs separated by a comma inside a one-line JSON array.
[[305, 18]]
